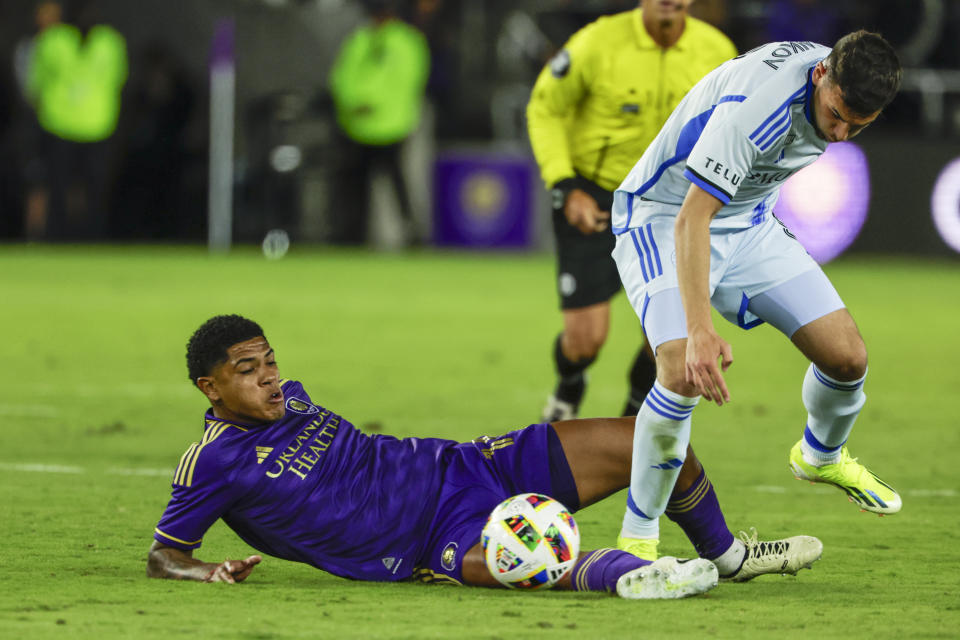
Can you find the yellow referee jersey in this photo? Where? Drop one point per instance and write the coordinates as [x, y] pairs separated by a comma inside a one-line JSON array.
[[603, 98]]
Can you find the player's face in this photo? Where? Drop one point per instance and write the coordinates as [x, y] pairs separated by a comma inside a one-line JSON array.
[[832, 118], [665, 9], [246, 388]]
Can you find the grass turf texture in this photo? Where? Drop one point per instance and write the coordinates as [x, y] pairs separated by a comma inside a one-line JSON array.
[[454, 346]]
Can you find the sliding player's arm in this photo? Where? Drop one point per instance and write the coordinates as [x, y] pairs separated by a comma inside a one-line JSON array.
[[704, 345], [176, 564], [203, 492]]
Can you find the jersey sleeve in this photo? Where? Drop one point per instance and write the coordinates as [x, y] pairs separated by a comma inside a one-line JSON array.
[[201, 494], [560, 87], [741, 128]]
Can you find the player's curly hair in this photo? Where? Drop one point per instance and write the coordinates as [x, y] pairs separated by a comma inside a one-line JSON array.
[[208, 345], [867, 70]]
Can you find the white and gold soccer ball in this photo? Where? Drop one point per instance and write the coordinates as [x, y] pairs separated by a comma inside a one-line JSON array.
[[530, 541]]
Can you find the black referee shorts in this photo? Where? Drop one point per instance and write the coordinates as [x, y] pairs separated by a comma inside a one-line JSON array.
[[586, 273]]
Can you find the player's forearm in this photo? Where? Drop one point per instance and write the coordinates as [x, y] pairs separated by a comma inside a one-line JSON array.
[[692, 233], [167, 562]]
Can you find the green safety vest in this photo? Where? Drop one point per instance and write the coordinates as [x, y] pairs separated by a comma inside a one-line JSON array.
[[378, 81], [75, 82]]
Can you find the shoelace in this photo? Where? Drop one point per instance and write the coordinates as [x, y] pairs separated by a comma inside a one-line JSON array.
[[756, 548], [846, 460]]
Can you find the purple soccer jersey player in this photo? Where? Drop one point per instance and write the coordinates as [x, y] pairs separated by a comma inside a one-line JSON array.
[[296, 481]]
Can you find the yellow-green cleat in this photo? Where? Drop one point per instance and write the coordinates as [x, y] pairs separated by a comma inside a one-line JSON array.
[[643, 548], [861, 485]]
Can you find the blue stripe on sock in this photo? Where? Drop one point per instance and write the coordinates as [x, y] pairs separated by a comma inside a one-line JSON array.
[[634, 508], [839, 386], [651, 402], [816, 444], [668, 403]]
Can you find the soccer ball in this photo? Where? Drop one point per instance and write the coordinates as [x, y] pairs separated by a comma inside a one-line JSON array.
[[530, 541]]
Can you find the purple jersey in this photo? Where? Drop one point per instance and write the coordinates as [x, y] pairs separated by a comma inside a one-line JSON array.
[[311, 488]]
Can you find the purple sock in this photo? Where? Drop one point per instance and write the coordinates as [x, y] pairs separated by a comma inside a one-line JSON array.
[[599, 570], [698, 513]]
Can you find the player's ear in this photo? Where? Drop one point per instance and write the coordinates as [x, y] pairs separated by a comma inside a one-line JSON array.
[[819, 72], [208, 386]]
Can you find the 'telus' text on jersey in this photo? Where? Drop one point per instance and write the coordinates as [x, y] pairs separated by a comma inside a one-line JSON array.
[[739, 134]]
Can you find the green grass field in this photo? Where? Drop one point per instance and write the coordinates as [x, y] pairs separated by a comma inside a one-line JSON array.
[[96, 410]]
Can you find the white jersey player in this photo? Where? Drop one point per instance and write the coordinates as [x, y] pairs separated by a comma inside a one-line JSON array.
[[695, 226]]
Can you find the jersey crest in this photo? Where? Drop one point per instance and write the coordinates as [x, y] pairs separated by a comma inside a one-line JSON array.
[[301, 407], [560, 64]]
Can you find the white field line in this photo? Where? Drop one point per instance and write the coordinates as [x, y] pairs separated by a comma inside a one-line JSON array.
[[39, 467], [145, 471], [36, 467]]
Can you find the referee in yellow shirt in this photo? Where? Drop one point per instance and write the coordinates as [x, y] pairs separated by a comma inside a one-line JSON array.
[[594, 109]]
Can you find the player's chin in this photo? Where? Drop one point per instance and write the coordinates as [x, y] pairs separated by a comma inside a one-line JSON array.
[[271, 412]]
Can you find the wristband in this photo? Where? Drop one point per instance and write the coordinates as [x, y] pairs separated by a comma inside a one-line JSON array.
[[561, 189]]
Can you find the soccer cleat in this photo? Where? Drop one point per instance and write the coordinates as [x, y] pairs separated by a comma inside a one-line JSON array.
[[643, 548], [666, 578], [777, 556], [862, 486], [557, 410]]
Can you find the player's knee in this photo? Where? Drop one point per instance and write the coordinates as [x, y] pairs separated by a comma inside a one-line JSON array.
[[847, 364], [671, 368], [584, 343], [676, 381]]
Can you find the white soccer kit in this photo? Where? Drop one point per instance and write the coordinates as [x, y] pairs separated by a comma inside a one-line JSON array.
[[739, 134]]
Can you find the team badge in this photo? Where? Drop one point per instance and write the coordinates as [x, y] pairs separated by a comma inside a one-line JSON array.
[[567, 284], [560, 64], [448, 558], [299, 406]]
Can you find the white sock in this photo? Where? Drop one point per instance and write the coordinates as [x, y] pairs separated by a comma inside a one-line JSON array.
[[731, 560], [659, 448], [832, 407]]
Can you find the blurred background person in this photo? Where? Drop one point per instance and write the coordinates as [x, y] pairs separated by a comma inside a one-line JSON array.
[[377, 82], [594, 109], [76, 72], [155, 150]]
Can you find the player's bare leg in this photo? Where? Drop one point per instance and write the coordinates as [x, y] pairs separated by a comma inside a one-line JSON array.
[[598, 454], [584, 333], [598, 451], [833, 395], [834, 344]]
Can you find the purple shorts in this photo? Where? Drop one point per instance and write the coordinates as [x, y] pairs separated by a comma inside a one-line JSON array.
[[480, 475]]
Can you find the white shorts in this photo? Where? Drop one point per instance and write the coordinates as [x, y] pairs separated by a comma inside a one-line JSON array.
[[758, 274]]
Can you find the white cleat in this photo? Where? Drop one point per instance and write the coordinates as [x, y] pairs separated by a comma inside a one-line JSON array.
[[556, 410], [668, 577], [776, 556]]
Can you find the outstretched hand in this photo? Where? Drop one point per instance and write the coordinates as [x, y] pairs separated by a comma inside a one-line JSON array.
[[704, 348], [232, 571]]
